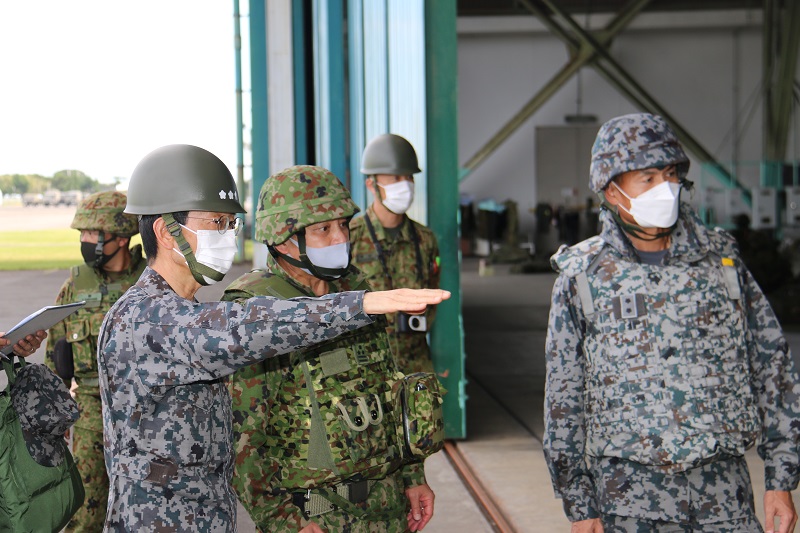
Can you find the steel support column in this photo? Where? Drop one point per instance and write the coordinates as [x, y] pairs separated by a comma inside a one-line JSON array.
[[447, 337], [329, 85], [258, 84], [781, 43]]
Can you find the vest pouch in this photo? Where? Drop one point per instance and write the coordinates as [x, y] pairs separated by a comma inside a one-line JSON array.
[[82, 341], [418, 404], [364, 424]]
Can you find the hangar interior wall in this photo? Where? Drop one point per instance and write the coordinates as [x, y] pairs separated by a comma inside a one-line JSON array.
[[705, 68]]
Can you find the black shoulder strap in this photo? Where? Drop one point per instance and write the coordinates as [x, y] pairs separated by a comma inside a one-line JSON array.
[[379, 249], [415, 240]]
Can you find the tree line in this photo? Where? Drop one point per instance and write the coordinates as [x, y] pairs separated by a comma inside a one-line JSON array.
[[63, 180]]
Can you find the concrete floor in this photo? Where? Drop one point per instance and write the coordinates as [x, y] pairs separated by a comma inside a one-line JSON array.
[[505, 318]]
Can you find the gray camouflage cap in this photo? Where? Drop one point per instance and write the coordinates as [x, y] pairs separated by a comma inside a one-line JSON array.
[[634, 142]]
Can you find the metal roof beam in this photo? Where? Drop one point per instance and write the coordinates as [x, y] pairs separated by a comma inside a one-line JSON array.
[[621, 79], [581, 55]]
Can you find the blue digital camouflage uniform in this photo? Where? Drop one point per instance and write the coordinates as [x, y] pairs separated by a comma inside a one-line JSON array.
[[405, 270], [162, 361], [99, 289], [659, 378], [273, 425]]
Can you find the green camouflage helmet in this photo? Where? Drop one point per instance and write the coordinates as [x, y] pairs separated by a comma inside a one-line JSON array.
[[389, 154], [298, 197], [634, 142], [181, 177], [105, 211]]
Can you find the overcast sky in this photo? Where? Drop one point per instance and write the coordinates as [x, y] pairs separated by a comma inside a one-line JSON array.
[[94, 85]]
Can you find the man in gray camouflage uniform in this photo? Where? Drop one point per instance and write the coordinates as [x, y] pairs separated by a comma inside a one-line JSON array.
[[163, 357], [665, 361]]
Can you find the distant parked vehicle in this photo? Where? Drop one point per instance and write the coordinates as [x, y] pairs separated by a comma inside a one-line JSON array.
[[52, 197], [71, 197], [30, 199]]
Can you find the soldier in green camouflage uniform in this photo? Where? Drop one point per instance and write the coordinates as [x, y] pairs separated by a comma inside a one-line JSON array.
[[391, 249], [665, 361], [110, 268], [294, 451]]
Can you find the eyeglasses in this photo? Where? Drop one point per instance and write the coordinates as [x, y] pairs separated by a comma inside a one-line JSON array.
[[225, 223]]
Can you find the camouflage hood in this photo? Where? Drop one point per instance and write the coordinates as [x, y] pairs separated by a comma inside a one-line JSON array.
[[45, 410]]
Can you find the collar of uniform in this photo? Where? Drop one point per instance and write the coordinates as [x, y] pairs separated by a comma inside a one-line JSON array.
[[353, 280], [380, 232], [689, 241], [153, 283]]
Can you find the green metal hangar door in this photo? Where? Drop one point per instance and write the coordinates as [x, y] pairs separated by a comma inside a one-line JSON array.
[[329, 75]]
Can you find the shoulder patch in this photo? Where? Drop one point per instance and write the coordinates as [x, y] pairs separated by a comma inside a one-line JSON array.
[[573, 260]]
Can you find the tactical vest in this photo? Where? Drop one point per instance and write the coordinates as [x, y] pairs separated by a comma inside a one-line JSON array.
[[667, 379], [83, 326], [329, 413]]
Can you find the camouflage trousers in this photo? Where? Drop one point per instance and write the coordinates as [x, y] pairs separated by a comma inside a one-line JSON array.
[[624, 524], [87, 444], [714, 493], [385, 506], [411, 352]]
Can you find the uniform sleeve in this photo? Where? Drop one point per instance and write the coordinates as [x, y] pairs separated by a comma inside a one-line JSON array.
[[413, 475], [188, 341], [776, 388], [59, 330], [564, 436]]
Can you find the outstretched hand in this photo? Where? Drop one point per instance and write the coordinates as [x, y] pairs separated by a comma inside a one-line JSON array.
[[28, 345], [406, 300]]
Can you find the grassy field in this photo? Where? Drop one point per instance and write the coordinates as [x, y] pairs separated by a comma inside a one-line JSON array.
[[50, 249]]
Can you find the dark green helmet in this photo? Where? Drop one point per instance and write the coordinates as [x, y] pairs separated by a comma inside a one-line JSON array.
[[298, 197], [105, 211], [389, 154], [181, 177]]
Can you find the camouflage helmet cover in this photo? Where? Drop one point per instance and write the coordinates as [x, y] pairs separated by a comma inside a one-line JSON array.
[[182, 177], [105, 211], [389, 154], [298, 197], [634, 142]]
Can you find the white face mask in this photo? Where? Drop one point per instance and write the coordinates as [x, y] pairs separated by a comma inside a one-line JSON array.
[[398, 196], [332, 257], [214, 249], [656, 208]]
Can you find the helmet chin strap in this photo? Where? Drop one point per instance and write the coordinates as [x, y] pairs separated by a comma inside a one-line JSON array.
[[100, 257], [197, 269], [633, 229], [327, 274]]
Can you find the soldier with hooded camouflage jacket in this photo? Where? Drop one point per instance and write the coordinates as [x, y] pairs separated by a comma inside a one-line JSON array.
[[110, 268], [316, 434], [163, 356], [665, 361]]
